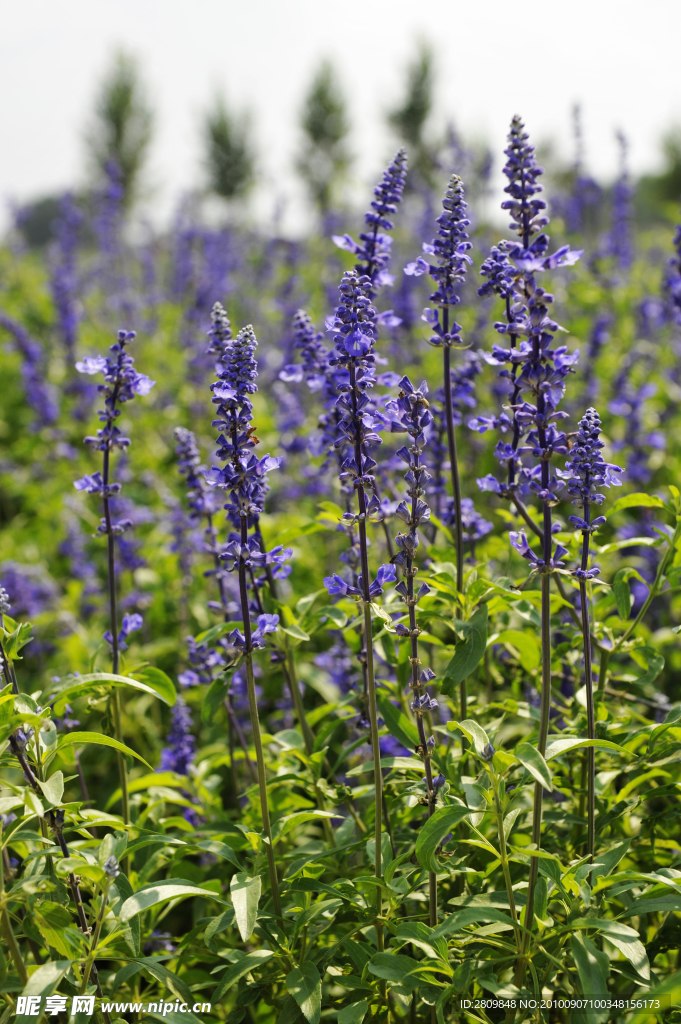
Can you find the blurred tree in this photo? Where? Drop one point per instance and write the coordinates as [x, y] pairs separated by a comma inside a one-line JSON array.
[[35, 220], [658, 195], [325, 158], [229, 154], [122, 127], [409, 119]]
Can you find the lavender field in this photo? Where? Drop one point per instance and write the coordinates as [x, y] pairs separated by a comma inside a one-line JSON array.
[[341, 592]]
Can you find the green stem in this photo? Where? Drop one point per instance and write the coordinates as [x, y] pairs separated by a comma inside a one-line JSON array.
[[7, 931], [378, 776], [292, 679], [113, 626], [503, 857], [652, 594], [541, 746], [588, 679], [262, 777], [93, 945]]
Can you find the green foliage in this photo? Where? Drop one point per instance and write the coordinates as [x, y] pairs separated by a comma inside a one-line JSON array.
[[122, 126], [409, 119], [191, 913], [228, 151], [324, 159]]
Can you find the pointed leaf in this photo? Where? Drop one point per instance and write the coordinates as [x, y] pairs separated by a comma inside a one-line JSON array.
[[622, 592], [399, 969], [531, 759], [245, 965], [399, 726], [638, 500], [43, 982], [284, 825], [434, 831], [473, 732], [73, 739], [406, 763], [557, 745], [296, 632], [53, 789], [593, 968], [160, 682], [663, 904], [353, 1014], [468, 654], [623, 937], [471, 915], [72, 687], [245, 892], [219, 849], [305, 986], [161, 893], [526, 645]]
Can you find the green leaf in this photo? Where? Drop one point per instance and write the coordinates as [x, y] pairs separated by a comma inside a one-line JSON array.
[[653, 904], [526, 645], [27, 835], [72, 687], [411, 763], [651, 661], [623, 599], [668, 992], [399, 725], [471, 915], [245, 892], [561, 745], [284, 825], [219, 849], [305, 986], [473, 732], [166, 977], [332, 509], [637, 500], [353, 1014], [394, 967], [673, 718], [73, 739], [531, 759], [623, 937], [468, 654], [53, 789], [328, 907], [331, 611], [161, 893], [43, 982], [209, 636], [434, 831], [17, 639], [130, 930], [160, 682], [401, 970], [214, 697], [219, 924], [296, 632], [8, 803], [593, 968]]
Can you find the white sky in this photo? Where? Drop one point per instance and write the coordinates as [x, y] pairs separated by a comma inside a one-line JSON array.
[[619, 58]]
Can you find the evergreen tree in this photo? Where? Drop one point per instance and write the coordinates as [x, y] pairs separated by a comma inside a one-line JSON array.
[[122, 127], [229, 152], [408, 120], [324, 159]]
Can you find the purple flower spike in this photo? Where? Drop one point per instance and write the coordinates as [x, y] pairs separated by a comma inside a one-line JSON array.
[[373, 248]]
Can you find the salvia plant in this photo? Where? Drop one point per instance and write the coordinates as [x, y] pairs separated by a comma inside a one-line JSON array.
[[348, 690]]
